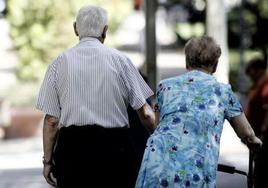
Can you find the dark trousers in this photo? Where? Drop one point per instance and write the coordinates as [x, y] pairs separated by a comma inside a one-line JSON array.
[[92, 156]]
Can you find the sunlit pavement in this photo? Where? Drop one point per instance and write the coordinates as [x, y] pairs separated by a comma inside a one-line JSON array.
[[20, 163], [22, 178], [232, 153]]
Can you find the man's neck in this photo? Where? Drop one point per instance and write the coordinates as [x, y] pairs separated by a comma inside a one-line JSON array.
[[99, 38]]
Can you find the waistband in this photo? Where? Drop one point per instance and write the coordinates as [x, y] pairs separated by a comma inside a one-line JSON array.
[[98, 128]]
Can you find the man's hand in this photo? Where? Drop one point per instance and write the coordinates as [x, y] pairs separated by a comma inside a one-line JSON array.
[[147, 117], [49, 139], [47, 172]]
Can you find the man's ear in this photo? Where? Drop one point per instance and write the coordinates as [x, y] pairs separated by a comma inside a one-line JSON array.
[[75, 29], [103, 35]]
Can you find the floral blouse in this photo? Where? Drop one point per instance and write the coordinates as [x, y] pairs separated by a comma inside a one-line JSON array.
[[184, 149]]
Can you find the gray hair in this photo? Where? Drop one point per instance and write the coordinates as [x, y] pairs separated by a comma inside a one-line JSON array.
[[202, 51], [90, 21]]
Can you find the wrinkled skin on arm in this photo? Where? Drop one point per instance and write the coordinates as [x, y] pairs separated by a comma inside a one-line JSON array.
[[147, 117], [49, 138], [245, 132]]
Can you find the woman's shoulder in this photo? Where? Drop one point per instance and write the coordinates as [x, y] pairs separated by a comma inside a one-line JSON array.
[[224, 86], [174, 79], [223, 90], [169, 80], [169, 83]]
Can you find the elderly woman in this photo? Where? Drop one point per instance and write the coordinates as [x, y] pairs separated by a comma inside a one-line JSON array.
[[191, 109]]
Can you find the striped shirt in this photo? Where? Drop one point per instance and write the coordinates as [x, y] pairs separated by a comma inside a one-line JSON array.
[[92, 84]]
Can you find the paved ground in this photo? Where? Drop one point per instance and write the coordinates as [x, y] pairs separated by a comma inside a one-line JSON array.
[[22, 178], [20, 163]]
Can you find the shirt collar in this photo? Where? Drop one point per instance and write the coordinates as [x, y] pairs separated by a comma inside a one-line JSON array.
[[200, 75], [89, 39]]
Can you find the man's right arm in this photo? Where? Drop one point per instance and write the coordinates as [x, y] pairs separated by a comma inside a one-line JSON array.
[[147, 117], [49, 138]]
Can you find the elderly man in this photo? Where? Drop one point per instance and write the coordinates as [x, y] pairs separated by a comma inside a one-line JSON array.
[[85, 94]]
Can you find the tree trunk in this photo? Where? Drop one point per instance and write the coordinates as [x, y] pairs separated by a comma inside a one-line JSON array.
[[216, 26]]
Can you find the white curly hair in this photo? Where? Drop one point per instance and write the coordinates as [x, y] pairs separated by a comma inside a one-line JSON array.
[[90, 21]]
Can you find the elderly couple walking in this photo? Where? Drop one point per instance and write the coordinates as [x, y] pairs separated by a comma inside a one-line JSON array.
[[85, 95]]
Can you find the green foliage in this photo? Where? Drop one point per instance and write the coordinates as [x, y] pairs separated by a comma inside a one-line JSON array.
[[263, 7], [41, 29], [255, 35], [188, 30], [255, 18]]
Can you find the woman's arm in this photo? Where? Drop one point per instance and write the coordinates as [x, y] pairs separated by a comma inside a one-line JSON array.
[[244, 131]]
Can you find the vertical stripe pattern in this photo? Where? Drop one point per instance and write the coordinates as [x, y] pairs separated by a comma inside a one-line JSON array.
[[92, 84]]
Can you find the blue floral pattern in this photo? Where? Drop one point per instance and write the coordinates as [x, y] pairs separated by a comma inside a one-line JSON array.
[[184, 149]]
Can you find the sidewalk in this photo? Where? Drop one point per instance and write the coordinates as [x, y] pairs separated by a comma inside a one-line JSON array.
[[233, 153], [21, 163], [21, 153], [22, 178]]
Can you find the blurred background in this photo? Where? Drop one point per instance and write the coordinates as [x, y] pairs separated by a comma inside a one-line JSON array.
[[152, 33]]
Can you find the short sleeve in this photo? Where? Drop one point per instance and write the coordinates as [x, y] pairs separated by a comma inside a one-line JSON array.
[[138, 90], [233, 106], [159, 97], [48, 99]]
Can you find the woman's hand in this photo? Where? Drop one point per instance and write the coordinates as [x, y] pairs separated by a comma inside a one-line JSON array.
[[245, 132], [253, 142]]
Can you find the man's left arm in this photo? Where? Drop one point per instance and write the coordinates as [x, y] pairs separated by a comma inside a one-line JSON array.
[[147, 117]]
